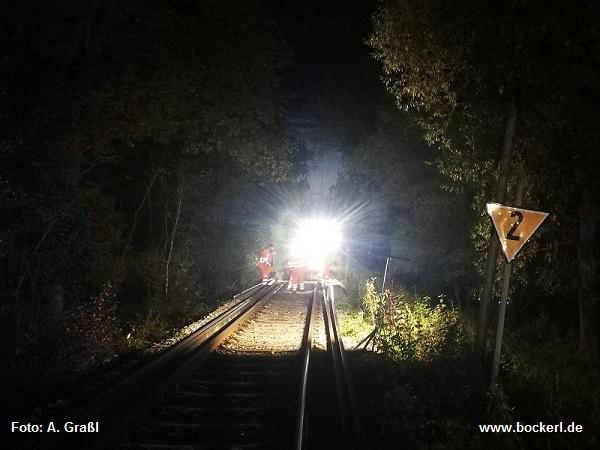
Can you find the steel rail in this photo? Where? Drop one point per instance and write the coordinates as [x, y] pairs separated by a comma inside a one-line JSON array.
[[334, 349], [131, 397], [307, 347], [359, 435], [353, 435]]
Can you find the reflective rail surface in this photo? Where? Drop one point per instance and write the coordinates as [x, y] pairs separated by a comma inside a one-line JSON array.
[[247, 378], [352, 431], [130, 399], [244, 395], [307, 347]]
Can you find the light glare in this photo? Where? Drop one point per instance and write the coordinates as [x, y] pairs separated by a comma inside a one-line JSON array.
[[316, 240]]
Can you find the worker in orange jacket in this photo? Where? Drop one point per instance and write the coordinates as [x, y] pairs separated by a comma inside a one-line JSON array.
[[265, 262], [297, 268]]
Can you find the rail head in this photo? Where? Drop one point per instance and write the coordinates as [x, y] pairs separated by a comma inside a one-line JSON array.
[[306, 347], [352, 429], [148, 384]]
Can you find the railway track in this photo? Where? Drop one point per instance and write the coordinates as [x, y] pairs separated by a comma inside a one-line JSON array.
[[247, 379]]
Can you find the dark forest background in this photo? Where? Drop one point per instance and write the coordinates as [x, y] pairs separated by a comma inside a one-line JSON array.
[[507, 93], [146, 146], [135, 141]]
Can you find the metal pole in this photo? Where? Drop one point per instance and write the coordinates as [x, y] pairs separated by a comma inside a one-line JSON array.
[[521, 183], [387, 261], [346, 272], [501, 316]]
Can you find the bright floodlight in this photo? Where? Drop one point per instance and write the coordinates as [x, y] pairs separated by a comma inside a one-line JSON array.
[[317, 239]]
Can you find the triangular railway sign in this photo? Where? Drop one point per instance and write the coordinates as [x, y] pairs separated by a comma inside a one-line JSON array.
[[514, 226]]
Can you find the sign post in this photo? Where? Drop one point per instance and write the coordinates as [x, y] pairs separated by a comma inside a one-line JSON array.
[[346, 271], [387, 262], [514, 227], [501, 316]]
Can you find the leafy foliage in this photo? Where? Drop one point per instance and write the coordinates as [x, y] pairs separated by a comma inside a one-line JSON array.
[[456, 67], [546, 380], [422, 369], [133, 138], [412, 329], [424, 220]]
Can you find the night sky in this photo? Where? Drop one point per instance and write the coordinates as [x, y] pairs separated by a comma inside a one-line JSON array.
[[333, 83], [150, 150], [327, 38], [332, 76]]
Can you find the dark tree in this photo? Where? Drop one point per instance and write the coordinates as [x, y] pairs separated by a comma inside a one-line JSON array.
[[466, 70], [123, 128]]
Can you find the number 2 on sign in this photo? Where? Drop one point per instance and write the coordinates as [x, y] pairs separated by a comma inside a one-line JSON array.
[[515, 225]]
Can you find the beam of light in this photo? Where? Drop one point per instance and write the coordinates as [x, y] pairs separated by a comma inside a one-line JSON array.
[[316, 240], [285, 206]]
